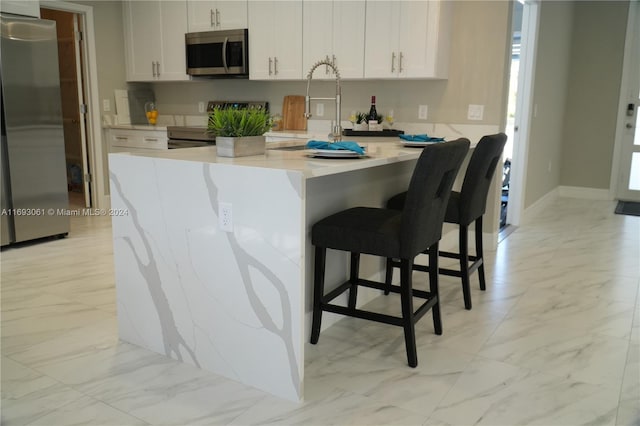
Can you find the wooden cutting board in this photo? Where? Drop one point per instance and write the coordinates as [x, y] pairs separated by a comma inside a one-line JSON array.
[[293, 113]]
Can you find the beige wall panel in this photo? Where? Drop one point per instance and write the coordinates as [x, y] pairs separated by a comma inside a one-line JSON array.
[[592, 93], [549, 99]]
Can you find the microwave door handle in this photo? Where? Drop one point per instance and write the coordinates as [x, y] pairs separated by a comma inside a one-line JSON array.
[[224, 55]]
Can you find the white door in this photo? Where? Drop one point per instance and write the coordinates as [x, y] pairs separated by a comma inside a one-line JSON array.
[[628, 185], [524, 101], [83, 112]]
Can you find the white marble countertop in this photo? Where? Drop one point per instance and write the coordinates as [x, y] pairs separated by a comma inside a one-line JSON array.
[[379, 152]]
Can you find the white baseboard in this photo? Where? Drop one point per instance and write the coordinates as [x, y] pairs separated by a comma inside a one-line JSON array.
[[584, 193], [564, 191], [540, 205]]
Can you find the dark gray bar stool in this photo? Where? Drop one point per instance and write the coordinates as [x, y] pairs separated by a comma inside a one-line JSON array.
[[400, 234], [464, 208]]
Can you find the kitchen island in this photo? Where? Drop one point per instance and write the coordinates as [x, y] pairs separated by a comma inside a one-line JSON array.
[[213, 261]]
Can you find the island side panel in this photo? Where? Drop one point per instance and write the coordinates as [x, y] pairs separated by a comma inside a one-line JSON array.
[[227, 302]]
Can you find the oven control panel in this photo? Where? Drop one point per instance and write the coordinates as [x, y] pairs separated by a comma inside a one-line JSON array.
[[211, 105]]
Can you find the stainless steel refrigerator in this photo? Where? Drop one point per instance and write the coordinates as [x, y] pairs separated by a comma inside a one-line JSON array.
[[34, 181]]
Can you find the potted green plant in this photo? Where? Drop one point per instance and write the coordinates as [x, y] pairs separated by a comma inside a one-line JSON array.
[[361, 121], [239, 132]]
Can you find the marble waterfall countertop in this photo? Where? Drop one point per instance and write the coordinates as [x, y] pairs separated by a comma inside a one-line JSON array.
[[234, 297]]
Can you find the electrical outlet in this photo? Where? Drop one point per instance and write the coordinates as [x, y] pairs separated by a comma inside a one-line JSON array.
[[475, 112], [320, 110], [200, 106], [423, 111], [225, 217], [106, 105]]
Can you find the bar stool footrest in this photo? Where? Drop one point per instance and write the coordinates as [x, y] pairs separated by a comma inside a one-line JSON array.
[[325, 305]]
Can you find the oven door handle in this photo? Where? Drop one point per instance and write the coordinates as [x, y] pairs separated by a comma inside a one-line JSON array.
[[224, 55]]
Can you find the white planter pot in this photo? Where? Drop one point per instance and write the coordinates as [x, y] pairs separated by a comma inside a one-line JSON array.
[[240, 147], [359, 127]]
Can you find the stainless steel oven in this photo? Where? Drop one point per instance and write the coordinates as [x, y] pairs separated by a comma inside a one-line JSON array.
[[218, 53], [188, 137]]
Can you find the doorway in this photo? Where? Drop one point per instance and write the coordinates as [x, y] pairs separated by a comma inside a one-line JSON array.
[[522, 98], [72, 89], [626, 177], [97, 196], [510, 128]]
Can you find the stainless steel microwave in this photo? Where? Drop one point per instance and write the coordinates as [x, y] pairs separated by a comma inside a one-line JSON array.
[[218, 53]]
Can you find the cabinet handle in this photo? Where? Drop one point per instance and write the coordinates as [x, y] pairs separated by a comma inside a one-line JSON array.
[[158, 68], [393, 61], [217, 18], [150, 139], [275, 65], [400, 62], [270, 65], [153, 68], [211, 19], [121, 138]]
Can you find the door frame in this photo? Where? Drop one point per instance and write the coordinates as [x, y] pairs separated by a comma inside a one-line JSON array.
[[77, 47], [90, 77], [616, 186], [524, 108]]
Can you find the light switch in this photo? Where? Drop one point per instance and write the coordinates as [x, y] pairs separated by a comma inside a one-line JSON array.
[[475, 112], [423, 111], [106, 105]]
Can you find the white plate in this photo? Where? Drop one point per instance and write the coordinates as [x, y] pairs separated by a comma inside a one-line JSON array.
[[333, 153], [417, 143]]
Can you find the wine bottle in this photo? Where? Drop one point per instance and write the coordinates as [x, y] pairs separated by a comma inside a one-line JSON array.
[[372, 118]]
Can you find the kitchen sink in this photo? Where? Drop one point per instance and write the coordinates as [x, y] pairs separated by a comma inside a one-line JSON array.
[[289, 148]]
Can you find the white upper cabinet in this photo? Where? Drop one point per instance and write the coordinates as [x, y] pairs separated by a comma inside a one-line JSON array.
[[407, 39], [334, 30], [275, 40], [216, 15], [154, 40]]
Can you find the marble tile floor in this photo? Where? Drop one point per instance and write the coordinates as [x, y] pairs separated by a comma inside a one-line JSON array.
[[555, 340]]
